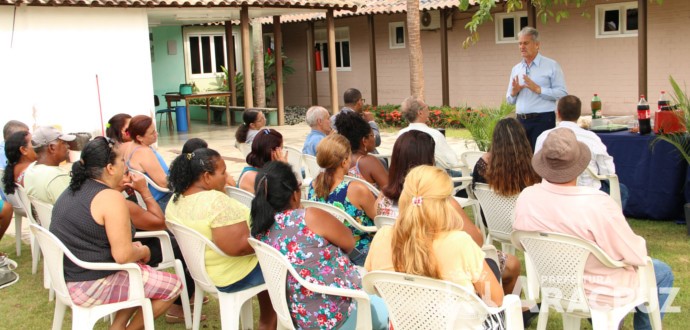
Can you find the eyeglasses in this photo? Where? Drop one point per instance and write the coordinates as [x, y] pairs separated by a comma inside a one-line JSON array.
[[363, 100], [110, 143], [527, 69]]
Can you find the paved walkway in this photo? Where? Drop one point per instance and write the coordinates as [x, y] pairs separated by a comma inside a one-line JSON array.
[[222, 139]]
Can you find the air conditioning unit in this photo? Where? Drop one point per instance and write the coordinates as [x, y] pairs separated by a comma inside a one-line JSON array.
[[431, 20]]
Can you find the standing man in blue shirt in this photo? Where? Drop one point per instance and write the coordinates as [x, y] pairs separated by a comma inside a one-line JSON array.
[[536, 84], [318, 120]]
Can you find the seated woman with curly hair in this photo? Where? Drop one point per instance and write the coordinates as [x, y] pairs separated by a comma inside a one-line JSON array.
[[362, 141], [92, 220]]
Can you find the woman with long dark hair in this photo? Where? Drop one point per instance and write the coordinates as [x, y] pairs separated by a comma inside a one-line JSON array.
[[92, 220], [252, 121], [267, 146], [117, 126], [507, 167], [197, 180], [317, 245], [20, 154]]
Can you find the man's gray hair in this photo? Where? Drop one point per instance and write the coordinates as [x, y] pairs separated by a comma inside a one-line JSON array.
[[314, 114], [411, 107], [11, 127], [529, 31]]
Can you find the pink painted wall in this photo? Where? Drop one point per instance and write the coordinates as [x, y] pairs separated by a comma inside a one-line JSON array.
[[479, 74]]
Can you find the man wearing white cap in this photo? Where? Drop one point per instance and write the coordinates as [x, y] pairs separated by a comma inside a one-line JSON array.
[[559, 205], [44, 179]]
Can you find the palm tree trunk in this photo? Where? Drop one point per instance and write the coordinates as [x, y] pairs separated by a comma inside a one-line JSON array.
[[415, 49], [258, 50]]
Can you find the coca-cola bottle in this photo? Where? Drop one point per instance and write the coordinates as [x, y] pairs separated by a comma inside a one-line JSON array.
[[643, 116], [664, 102]]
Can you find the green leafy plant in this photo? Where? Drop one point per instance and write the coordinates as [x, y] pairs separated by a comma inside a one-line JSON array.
[[270, 76], [680, 140], [481, 122]]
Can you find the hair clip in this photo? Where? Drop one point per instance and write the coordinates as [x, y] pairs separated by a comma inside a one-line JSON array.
[[417, 201], [267, 131], [190, 156], [107, 125]]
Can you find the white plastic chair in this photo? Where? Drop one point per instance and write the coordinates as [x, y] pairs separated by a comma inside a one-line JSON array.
[[85, 317], [23, 200], [369, 186], [340, 215], [614, 184], [276, 266], [240, 195], [150, 181], [295, 161], [169, 261], [469, 160], [382, 220], [559, 261], [500, 215], [44, 211], [417, 302], [312, 167], [19, 213], [233, 306]]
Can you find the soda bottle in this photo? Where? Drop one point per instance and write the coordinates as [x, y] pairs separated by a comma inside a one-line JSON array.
[[664, 102], [643, 116], [596, 107]]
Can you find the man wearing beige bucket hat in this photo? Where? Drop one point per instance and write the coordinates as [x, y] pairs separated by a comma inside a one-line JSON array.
[[558, 205]]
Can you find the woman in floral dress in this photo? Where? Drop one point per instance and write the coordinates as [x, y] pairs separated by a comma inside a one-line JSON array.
[[333, 155], [316, 244]]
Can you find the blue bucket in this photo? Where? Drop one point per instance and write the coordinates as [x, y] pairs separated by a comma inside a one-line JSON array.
[[181, 118]]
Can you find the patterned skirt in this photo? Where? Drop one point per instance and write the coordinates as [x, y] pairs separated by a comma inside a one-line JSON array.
[[115, 287]]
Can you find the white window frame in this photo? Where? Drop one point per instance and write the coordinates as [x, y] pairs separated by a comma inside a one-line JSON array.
[[392, 41], [211, 36], [341, 34], [622, 31], [516, 15]]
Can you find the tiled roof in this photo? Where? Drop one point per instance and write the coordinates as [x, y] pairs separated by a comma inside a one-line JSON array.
[[375, 7], [334, 4]]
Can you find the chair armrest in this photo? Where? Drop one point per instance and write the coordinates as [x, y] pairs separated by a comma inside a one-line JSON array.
[[136, 282], [513, 312], [166, 244], [614, 184], [150, 181]]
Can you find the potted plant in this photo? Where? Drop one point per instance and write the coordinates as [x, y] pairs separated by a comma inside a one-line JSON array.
[[481, 122], [680, 140]]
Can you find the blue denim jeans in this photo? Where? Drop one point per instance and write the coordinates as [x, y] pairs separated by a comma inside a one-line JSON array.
[[379, 315], [625, 192], [664, 282]]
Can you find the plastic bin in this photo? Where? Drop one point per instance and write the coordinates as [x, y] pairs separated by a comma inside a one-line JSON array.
[[181, 118]]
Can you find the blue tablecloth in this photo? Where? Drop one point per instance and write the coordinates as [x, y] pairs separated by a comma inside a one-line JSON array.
[[655, 175]]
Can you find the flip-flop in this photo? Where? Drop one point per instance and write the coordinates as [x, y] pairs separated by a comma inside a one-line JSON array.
[[7, 276], [171, 319], [204, 302]]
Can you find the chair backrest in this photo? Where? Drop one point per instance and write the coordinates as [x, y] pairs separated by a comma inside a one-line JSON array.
[[193, 246], [275, 269], [156, 101], [245, 148], [382, 220], [369, 186], [499, 211], [150, 181], [614, 184], [469, 159], [44, 211], [23, 199], [312, 167], [16, 204], [416, 302], [53, 252], [559, 261], [240, 195], [339, 214], [295, 161]]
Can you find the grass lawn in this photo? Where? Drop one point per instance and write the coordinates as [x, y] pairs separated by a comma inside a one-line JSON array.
[[25, 305]]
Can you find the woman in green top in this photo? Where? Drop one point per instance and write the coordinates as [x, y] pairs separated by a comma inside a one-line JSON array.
[[197, 180]]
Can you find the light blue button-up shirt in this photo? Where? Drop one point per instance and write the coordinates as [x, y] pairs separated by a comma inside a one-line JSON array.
[[312, 141], [546, 73]]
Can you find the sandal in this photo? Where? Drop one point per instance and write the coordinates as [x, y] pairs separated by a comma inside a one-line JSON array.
[[172, 319], [204, 302], [7, 275]]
